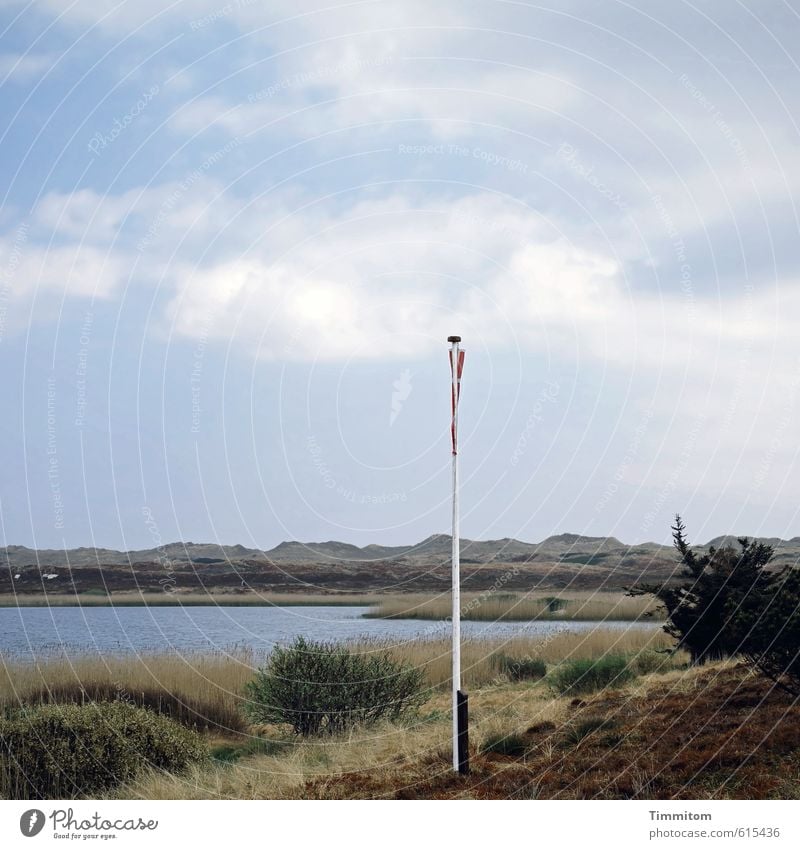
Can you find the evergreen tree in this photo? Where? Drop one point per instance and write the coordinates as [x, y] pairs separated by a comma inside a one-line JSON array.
[[703, 607], [768, 628]]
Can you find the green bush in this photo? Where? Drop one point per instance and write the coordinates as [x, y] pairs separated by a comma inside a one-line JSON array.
[[587, 676], [327, 688], [66, 751], [519, 668], [512, 745], [653, 661], [229, 753]]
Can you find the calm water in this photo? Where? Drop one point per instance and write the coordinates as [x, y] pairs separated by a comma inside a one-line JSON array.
[[45, 631]]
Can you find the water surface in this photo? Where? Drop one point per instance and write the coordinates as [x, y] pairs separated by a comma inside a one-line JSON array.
[[42, 631]]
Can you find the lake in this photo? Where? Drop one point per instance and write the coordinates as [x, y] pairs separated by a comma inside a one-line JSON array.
[[44, 631]]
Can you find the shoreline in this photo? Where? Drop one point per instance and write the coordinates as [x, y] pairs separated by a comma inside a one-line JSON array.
[[575, 606]]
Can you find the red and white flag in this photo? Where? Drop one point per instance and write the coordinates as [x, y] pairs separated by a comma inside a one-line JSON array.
[[455, 394]]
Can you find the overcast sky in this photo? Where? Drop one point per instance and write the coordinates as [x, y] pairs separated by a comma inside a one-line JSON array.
[[235, 236]]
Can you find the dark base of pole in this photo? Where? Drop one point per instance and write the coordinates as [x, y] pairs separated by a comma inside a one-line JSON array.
[[462, 720]]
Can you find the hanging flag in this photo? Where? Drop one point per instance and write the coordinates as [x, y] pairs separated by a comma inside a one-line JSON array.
[[455, 394]]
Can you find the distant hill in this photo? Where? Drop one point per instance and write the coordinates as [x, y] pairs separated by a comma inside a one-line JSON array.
[[560, 560], [775, 542], [437, 545]]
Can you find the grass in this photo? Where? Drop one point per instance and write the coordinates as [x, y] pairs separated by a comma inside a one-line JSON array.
[[712, 732], [481, 662], [586, 675], [585, 728], [511, 745], [699, 733], [198, 690], [268, 762], [229, 753], [210, 685], [95, 598], [567, 606], [520, 668]]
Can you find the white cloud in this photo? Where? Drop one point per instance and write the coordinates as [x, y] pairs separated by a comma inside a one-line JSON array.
[[388, 93], [328, 287], [31, 271], [84, 214], [328, 280], [76, 270], [24, 66]]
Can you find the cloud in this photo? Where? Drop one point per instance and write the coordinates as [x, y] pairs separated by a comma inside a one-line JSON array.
[[386, 92], [279, 277], [75, 270], [404, 272], [22, 67]]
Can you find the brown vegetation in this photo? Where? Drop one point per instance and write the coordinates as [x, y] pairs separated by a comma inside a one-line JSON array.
[[715, 732], [198, 690], [564, 605], [722, 733], [186, 599]]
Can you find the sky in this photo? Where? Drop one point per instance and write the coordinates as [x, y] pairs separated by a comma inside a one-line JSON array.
[[234, 238]]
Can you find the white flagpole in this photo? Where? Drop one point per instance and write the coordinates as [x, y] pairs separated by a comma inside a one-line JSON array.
[[456, 556]]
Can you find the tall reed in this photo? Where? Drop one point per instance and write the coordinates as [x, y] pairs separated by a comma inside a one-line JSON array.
[[564, 606], [186, 599], [202, 690]]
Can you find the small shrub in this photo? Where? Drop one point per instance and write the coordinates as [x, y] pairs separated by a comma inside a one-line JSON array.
[[519, 668], [230, 753], [587, 676], [498, 743], [652, 661], [327, 687], [435, 715], [578, 732], [66, 751]]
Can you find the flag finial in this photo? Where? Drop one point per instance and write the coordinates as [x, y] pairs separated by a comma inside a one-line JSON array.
[[453, 338]]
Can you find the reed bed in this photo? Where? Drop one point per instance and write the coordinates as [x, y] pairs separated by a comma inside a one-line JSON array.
[[191, 599], [201, 690], [205, 689], [479, 658], [565, 606]]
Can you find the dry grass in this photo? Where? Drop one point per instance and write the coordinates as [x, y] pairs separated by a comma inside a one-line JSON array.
[[216, 679], [390, 761], [202, 690], [478, 668], [378, 750], [711, 733], [187, 599], [553, 606], [270, 763], [495, 706]]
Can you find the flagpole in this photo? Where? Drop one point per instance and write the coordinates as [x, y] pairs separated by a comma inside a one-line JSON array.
[[460, 732]]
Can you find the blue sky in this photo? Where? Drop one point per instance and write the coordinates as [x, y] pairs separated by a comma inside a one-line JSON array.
[[235, 236]]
